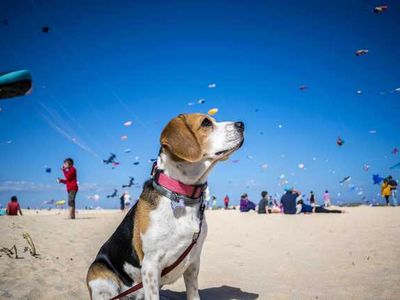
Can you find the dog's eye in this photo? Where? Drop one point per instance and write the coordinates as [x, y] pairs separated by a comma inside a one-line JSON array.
[[206, 123]]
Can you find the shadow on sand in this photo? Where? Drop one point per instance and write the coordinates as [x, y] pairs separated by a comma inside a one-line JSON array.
[[221, 293]]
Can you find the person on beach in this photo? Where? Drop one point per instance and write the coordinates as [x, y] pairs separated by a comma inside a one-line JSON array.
[[226, 201], [288, 201], [301, 207], [311, 198], [71, 183], [245, 204], [122, 203], [327, 199], [393, 189], [214, 202], [385, 191], [263, 204], [13, 207], [127, 199]]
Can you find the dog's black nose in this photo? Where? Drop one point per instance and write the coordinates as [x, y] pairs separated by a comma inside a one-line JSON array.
[[239, 126]]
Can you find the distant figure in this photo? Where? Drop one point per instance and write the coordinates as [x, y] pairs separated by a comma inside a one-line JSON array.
[[288, 201], [207, 198], [245, 204], [327, 199], [122, 203], [226, 201], [393, 189], [70, 181], [127, 199], [305, 208], [312, 199], [263, 204], [214, 202], [385, 191], [13, 207]]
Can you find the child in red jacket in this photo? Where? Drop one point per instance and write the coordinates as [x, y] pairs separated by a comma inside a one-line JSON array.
[[71, 182]]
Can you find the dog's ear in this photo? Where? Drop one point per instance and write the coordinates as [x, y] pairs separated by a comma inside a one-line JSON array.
[[179, 138]]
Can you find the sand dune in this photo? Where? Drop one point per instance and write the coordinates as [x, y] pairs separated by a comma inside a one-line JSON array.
[[246, 256]]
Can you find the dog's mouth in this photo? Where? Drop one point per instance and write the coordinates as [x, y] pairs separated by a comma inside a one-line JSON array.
[[230, 150]]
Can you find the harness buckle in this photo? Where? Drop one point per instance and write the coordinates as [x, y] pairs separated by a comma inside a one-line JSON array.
[[196, 236]]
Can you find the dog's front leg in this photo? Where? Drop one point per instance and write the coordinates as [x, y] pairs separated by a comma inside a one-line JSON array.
[[191, 283], [151, 278]]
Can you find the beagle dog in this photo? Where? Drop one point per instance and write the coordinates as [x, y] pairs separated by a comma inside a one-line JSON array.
[[169, 213]]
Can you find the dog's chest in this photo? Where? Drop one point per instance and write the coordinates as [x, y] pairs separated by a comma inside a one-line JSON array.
[[170, 232]]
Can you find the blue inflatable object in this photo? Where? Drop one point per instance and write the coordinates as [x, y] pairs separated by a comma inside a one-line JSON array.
[[15, 83]]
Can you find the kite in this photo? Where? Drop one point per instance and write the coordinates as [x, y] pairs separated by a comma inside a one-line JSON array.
[[377, 179], [48, 202], [45, 29], [361, 52], [152, 160], [15, 83], [396, 166], [59, 203], [301, 166], [366, 167], [201, 101], [110, 159], [212, 111], [345, 179], [264, 166], [124, 138], [380, 9], [303, 87], [190, 103], [128, 123], [212, 85], [94, 197], [339, 141], [114, 194], [395, 151], [131, 183], [47, 169], [127, 150], [136, 163]]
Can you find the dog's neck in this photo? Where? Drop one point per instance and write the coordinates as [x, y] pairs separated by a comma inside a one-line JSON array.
[[188, 173]]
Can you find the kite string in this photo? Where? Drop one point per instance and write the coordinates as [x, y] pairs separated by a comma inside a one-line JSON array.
[[53, 124], [73, 51]]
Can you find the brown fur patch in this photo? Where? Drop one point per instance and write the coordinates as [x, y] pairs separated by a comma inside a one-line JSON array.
[[148, 201], [100, 271], [185, 138]]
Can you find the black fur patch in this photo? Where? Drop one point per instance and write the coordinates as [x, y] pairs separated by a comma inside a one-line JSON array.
[[119, 248]]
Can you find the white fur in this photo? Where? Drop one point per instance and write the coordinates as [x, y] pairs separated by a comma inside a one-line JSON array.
[[103, 289]]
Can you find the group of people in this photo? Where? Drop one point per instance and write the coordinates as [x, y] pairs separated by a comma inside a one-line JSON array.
[[389, 190], [290, 203]]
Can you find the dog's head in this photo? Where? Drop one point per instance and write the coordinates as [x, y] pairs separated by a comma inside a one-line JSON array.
[[198, 137]]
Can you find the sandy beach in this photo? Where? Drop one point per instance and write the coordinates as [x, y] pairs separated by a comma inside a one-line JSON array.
[[246, 256]]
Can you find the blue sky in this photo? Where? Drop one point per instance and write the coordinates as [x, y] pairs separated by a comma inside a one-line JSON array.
[[106, 62]]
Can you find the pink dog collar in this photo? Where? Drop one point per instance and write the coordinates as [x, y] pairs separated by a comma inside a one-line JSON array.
[[175, 186]]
